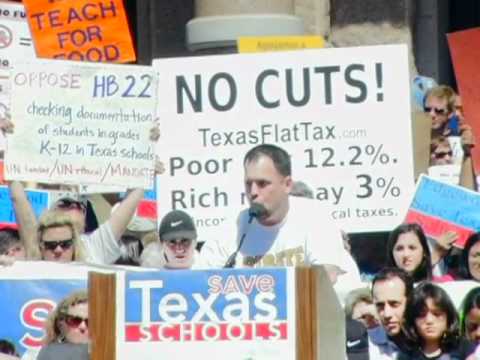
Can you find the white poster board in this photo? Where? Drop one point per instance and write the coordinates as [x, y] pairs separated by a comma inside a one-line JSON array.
[[82, 123], [343, 115], [242, 314]]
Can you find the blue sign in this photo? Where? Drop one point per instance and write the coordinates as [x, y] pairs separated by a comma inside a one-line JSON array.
[[38, 199], [206, 305]]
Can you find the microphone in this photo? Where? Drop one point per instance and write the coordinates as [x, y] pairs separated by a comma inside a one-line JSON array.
[[256, 211]]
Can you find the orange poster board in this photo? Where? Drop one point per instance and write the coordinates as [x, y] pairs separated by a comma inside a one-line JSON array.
[[465, 52], [84, 30]]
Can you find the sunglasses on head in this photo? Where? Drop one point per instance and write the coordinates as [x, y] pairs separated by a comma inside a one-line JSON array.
[[442, 154], [182, 242], [52, 245], [436, 110], [67, 204], [75, 321]]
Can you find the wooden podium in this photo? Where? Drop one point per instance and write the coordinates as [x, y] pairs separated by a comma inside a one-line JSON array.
[[319, 318]]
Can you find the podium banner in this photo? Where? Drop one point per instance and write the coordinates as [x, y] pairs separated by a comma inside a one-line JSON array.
[[240, 313]]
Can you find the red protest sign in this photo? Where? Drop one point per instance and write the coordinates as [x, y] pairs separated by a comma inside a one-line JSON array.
[[465, 53], [80, 30]]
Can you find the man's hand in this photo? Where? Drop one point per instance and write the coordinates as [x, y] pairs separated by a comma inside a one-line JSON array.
[[6, 260], [159, 166], [155, 131], [6, 126]]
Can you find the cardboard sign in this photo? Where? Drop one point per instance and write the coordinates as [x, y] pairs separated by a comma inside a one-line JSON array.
[[243, 313], [439, 207], [82, 123], [15, 39], [329, 108], [464, 55], [252, 44], [40, 200], [85, 30]]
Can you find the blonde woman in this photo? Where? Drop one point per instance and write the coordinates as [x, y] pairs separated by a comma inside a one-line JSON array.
[[58, 238]]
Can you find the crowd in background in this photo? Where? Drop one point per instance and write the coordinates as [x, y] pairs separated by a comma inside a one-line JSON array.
[[400, 314]]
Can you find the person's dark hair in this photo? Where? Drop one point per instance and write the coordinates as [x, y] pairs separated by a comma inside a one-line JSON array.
[[394, 272], [279, 157], [471, 301], [416, 307], [7, 347], [464, 270], [8, 238], [424, 270]]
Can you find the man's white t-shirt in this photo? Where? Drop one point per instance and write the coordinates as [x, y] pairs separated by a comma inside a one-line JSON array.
[[306, 236]]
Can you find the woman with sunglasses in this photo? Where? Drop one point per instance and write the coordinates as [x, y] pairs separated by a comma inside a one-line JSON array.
[[58, 238], [432, 323], [66, 329]]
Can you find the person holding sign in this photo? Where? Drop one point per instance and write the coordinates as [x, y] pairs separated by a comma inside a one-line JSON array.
[[58, 238], [102, 246], [280, 230]]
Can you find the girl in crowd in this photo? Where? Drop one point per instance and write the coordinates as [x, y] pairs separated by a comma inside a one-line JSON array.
[[470, 324], [407, 249], [432, 322], [470, 259]]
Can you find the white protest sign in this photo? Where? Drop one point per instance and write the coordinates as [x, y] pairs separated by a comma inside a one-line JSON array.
[[343, 115], [82, 123], [15, 39]]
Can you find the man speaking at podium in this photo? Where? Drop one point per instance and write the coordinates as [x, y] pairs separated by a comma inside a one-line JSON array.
[[278, 229]]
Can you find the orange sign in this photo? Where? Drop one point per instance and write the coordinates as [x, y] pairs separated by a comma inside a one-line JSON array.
[[465, 53], [88, 30]]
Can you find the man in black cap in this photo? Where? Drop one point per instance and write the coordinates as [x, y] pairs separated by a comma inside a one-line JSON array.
[[178, 237]]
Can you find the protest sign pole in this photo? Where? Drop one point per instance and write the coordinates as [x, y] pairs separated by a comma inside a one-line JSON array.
[[102, 308]]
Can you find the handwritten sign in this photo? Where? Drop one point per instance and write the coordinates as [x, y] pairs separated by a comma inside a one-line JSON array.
[[329, 108], [39, 200], [248, 314], [250, 44], [86, 30], [439, 207], [82, 123]]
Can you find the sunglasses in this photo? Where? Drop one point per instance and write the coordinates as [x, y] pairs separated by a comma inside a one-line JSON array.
[[436, 110], [52, 245], [181, 242], [442, 154], [75, 321], [67, 204]]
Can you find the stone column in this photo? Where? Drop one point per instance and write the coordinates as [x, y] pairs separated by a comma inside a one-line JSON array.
[[218, 23]]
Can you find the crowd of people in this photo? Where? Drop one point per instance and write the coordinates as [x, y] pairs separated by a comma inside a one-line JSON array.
[[402, 314]]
